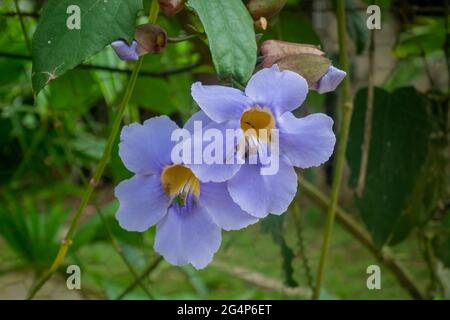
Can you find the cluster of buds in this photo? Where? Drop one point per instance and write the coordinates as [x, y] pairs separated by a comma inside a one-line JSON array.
[[261, 10], [307, 60]]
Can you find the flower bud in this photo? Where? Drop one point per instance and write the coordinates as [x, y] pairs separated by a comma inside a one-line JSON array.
[[265, 8], [124, 51], [151, 38], [274, 50], [307, 60], [329, 82], [171, 7]]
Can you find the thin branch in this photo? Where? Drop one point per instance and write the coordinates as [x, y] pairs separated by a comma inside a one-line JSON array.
[[22, 26], [24, 14], [155, 74], [144, 275], [368, 120], [384, 256], [262, 281], [119, 251]]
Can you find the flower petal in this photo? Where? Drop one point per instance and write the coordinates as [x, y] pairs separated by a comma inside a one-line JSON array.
[[330, 80], [308, 141], [146, 149], [198, 116], [124, 51], [220, 103], [142, 202], [184, 237], [279, 90], [259, 194], [227, 166], [225, 213]]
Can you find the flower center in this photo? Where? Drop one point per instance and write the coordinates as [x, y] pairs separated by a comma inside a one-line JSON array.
[[179, 181], [258, 123]]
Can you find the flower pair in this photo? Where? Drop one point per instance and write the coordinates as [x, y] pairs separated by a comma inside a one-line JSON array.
[[191, 202]]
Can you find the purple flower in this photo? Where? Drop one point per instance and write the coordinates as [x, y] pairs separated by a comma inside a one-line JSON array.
[[267, 102], [189, 214], [124, 51], [330, 80]]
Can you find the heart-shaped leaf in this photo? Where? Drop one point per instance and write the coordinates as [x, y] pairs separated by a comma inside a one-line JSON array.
[[71, 31]]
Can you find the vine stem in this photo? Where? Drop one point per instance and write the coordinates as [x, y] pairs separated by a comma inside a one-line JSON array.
[[65, 244], [368, 120], [384, 256], [22, 26], [342, 145]]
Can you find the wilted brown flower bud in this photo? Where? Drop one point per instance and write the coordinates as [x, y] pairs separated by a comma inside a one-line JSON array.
[[265, 8], [171, 7], [151, 38], [307, 60], [273, 51]]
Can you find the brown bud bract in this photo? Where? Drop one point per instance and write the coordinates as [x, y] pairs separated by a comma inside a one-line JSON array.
[[151, 38], [307, 60], [265, 8]]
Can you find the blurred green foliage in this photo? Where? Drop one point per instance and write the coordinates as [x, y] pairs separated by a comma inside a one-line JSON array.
[[50, 144]]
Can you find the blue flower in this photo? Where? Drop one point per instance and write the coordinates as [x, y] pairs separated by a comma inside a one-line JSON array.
[[126, 52], [330, 80], [189, 214], [266, 103]]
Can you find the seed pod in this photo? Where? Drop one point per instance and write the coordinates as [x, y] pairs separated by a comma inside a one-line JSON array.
[[265, 8], [171, 7], [151, 38]]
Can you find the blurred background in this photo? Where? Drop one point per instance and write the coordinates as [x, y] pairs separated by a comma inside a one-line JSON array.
[[50, 145]]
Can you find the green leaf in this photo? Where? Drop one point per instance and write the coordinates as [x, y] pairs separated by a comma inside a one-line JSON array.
[[274, 225], [425, 37], [398, 149], [231, 37], [57, 49]]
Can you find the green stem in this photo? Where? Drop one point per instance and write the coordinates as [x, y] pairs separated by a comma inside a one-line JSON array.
[[347, 106], [65, 244], [22, 26], [91, 186], [144, 275], [119, 251], [384, 256], [183, 38]]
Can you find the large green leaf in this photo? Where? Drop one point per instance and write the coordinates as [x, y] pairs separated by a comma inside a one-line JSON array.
[[56, 49], [231, 37], [398, 149]]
